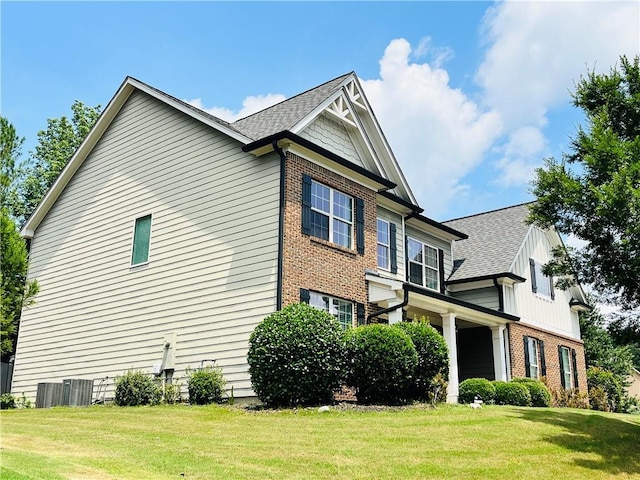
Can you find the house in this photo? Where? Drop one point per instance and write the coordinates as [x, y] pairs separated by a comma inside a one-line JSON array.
[[171, 234]]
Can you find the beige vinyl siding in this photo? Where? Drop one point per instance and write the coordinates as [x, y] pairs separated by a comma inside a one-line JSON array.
[[485, 297], [333, 136], [554, 315], [396, 218], [435, 243], [211, 275]]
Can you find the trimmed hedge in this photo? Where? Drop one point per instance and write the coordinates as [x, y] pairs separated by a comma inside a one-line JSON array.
[[136, 388], [540, 393], [471, 388], [433, 356], [610, 383], [383, 362], [296, 357], [206, 386], [512, 393]]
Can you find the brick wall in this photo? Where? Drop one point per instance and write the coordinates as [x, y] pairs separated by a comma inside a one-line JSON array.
[[317, 265], [551, 342]]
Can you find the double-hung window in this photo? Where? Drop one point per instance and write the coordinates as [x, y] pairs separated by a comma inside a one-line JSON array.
[[341, 309], [534, 358], [331, 215], [568, 367], [424, 268], [141, 240], [384, 245]]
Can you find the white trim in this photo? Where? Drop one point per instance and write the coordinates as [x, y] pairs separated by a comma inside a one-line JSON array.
[[135, 266], [333, 216], [387, 246], [424, 264]]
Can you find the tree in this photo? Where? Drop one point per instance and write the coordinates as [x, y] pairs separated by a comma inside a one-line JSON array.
[[56, 145], [594, 192], [15, 292]]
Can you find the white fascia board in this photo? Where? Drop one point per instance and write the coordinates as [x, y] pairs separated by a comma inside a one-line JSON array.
[[519, 252]]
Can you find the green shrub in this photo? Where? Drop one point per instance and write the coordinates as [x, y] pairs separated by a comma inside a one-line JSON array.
[[610, 383], [206, 386], [473, 388], [7, 401], [433, 356], [296, 357], [540, 393], [598, 399], [136, 388], [383, 360], [171, 394], [512, 393]]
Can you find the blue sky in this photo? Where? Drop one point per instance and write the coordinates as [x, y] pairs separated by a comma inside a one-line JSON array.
[[471, 95]]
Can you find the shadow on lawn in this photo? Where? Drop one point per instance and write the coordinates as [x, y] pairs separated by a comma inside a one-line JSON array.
[[615, 440]]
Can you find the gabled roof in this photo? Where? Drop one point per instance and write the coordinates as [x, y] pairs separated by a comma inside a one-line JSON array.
[[288, 113], [495, 238]]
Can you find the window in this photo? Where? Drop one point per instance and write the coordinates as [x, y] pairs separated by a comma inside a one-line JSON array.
[[331, 215], [540, 283], [568, 367], [423, 264], [341, 309], [534, 358], [141, 240], [384, 244]]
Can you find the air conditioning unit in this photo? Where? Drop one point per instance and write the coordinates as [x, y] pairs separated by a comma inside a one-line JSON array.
[[77, 392], [48, 395]]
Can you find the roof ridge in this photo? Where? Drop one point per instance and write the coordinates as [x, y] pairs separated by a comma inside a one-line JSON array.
[[295, 96], [489, 211]]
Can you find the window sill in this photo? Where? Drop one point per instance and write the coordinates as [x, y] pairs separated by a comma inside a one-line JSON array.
[[138, 266], [334, 246], [544, 297]]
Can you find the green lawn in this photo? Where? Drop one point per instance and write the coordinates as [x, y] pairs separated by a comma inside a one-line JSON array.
[[457, 442]]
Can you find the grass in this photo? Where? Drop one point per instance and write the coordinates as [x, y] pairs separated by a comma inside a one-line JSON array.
[[181, 442]]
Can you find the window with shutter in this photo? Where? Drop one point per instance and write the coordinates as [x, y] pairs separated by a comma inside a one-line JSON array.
[[540, 283], [342, 310]]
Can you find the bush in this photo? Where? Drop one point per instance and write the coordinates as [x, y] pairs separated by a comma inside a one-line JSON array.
[[471, 388], [136, 388], [433, 356], [610, 383], [512, 393], [540, 393], [206, 386], [296, 357], [383, 360], [571, 398], [172, 394], [7, 401], [598, 399]]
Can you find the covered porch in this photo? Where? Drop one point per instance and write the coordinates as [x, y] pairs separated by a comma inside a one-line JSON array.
[[475, 335]]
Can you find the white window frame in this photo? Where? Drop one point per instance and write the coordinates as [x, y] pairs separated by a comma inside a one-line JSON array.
[[386, 246], [424, 265], [533, 345], [542, 281], [566, 368], [133, 239], [333, 216], [331, 304]]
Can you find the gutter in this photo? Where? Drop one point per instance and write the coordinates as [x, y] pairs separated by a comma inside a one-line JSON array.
[[283, 158], [404, 303]]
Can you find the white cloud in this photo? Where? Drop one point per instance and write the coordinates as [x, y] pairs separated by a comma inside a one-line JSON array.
[[437, 133], [535, 53], [251, 104], [521, 155]]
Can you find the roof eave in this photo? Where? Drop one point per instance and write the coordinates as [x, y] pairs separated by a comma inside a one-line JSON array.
[[452, 233], [494, 276]]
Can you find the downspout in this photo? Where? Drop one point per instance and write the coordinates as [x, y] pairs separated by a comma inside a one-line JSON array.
[[283, 158], [500, 295], [404, 303]]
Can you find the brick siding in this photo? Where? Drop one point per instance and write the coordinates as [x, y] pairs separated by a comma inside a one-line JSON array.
[[551, 342], [315, 264]]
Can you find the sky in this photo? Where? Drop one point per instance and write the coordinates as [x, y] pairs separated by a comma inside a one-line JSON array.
[[472, 96]]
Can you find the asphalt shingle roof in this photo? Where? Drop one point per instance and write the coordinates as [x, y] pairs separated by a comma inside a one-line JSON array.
[[494, 240], [286, 114]]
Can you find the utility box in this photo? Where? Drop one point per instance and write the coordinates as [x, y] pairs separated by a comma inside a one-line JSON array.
[[77, 392], [48, 395]]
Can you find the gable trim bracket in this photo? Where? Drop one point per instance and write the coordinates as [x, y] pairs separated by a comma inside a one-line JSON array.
[[268, 141]]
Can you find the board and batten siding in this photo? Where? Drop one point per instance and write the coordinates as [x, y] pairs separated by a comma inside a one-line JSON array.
[[211, 275], [554, 315]]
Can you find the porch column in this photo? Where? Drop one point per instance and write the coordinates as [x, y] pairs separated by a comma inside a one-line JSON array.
[[395, 316], [499, 357], [449, 333]]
